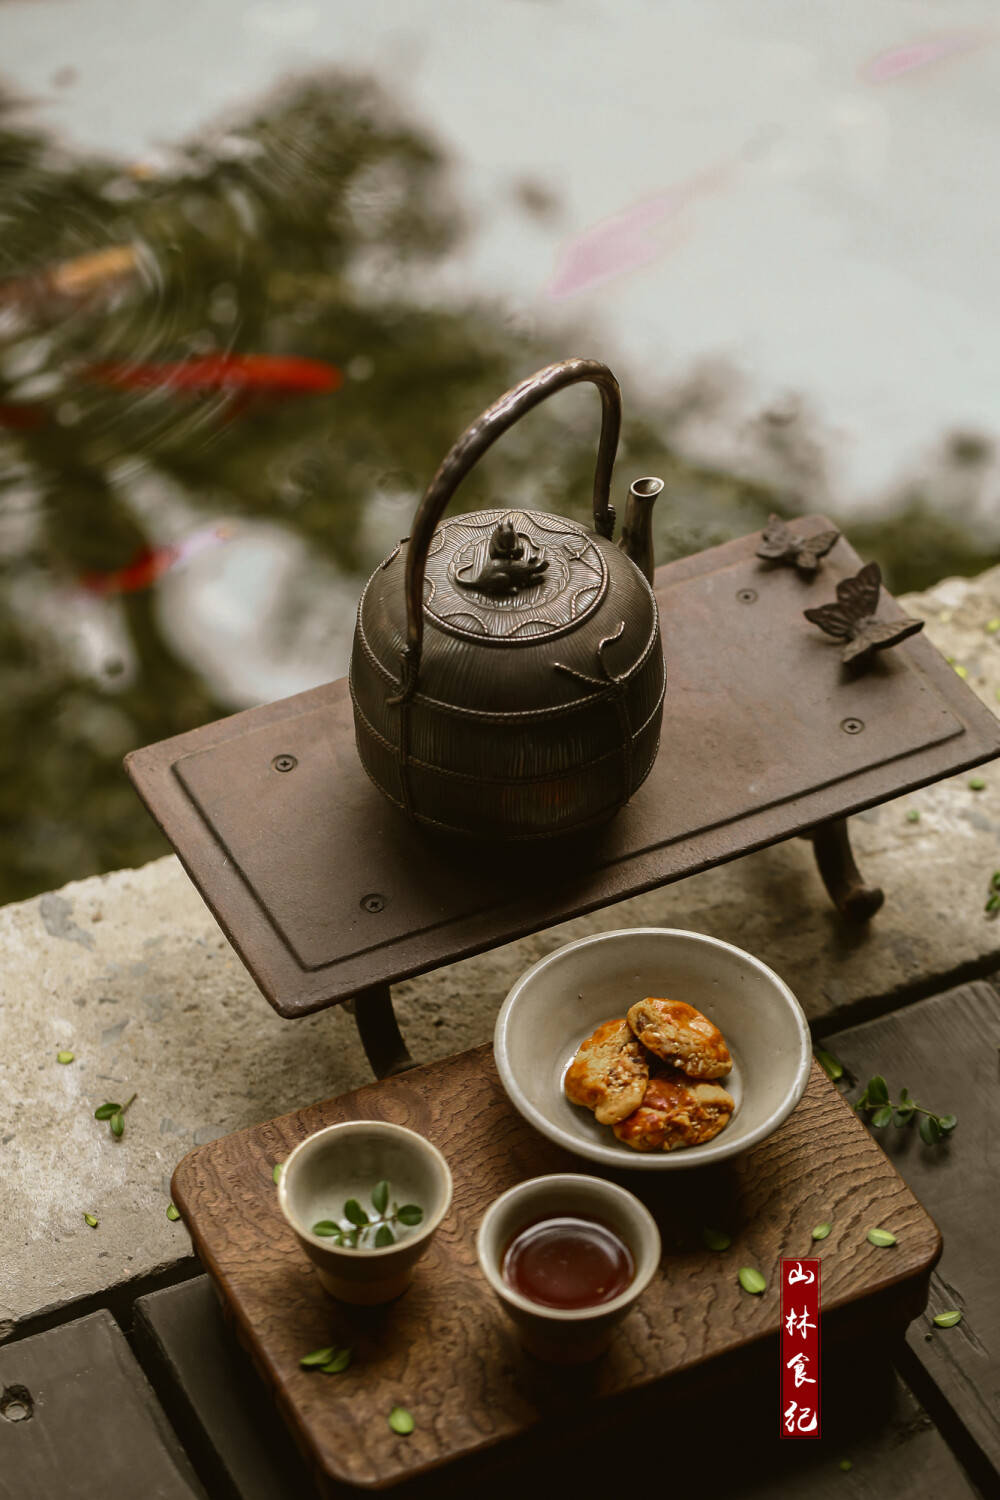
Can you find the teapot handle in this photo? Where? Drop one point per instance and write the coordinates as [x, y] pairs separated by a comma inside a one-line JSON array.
[[471, 446]]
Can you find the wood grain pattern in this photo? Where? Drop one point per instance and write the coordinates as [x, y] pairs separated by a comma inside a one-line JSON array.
[[222, 1413], [944, 1050], [444, 1350]]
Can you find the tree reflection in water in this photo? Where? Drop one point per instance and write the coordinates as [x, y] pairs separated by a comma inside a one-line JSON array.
[[163, 337]]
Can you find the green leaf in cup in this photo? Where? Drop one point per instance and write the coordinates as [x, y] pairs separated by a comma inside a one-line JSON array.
[[377, 1230]]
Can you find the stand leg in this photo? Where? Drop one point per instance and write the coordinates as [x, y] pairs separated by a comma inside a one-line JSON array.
[[852, 898], [379, 1031]]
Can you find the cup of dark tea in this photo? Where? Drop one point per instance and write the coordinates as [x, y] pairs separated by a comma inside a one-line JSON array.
[[567, 1256]]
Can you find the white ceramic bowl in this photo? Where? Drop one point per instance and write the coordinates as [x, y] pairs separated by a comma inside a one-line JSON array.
[[346, 1161], [564, 1336], [563, 998]]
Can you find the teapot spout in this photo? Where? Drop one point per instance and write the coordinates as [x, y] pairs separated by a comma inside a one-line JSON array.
[[637, 528]]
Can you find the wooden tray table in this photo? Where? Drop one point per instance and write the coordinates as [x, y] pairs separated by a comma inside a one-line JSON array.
[[329, 894], [444, 1350]]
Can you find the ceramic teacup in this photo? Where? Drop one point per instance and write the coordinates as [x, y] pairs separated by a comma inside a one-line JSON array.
[[346, 1161], [557, 1335]]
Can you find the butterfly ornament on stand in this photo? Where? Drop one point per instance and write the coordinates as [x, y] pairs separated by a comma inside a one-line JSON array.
[[780, 544], [852, 618]]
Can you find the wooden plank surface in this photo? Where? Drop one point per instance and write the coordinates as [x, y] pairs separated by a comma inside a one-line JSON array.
[[94, 1430], [444, 1350], [752, 752], [945, 1051], [214, 1399], [870, 1418]]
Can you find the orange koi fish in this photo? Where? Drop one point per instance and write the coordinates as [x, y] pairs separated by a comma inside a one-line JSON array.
[[274, 375], [45, 295], [150, 563], [905, 59]]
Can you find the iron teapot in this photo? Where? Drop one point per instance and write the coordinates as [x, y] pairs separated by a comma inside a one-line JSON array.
[[507, 674]]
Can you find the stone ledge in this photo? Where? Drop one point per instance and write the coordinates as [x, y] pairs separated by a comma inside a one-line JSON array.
[[131, 973]]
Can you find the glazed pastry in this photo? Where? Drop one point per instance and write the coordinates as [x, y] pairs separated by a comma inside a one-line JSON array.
[[681, 1036], [609, 1073], [676, 1111]]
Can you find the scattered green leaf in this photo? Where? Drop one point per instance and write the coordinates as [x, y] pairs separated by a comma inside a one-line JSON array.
[[832, 1066], [882, 1238], [947, 1319], [400, 1421], [845, 1465], [65, 1057], [822, 1230], [114, 1114], [715, 1239], [995, 880], [338, 1363], [380, 1197], [993, 901], [173, 1212], [992, 626], [276, 1171], [977, 784], [962, 672], [752, 1281], [91, 1220], [383, 1237], [877, 1090], [913, 816], [318, 1357], [876, 1101]]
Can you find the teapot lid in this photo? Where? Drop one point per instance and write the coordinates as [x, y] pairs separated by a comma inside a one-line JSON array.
[[512, 576]]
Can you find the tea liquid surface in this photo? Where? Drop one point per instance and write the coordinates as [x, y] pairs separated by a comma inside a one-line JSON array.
[[568, 1261]]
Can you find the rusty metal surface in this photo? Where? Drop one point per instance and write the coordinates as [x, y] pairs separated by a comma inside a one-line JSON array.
[[324, 889]]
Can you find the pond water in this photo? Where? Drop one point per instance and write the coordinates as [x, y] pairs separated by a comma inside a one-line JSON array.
[[260, 264]]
